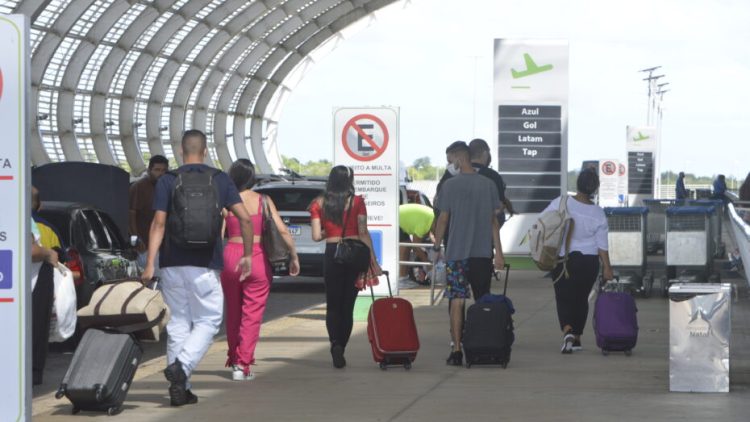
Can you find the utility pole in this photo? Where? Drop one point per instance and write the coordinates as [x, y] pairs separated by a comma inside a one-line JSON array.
[[654, 115], [650, 79]]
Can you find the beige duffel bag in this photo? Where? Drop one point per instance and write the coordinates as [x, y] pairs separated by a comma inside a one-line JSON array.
[[126, 306]]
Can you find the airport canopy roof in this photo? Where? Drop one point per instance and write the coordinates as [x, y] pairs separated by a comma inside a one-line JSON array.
[[115, 81]]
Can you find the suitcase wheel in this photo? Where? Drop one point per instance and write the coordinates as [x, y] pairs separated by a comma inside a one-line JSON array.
[[75, 411], [504, 365], [407, 365], [383, 365], [60, 393], [468, 365], [113, 411], [605, 352], [628, 352]]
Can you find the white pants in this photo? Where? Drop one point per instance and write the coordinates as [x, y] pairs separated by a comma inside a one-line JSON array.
[[196, 301]]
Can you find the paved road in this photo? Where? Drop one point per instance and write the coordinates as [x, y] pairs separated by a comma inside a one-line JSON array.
[[296, 382], [288, 295]]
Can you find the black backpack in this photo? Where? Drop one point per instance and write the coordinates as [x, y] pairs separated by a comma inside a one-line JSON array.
[[194, 219]]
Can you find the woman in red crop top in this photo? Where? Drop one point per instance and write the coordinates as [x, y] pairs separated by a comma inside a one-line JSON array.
[[339, 204], [246, 300]]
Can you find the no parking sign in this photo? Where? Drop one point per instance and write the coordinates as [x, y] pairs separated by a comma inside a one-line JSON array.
[[366, 139]]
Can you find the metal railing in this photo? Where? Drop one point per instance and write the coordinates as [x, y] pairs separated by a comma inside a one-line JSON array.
[[434, 300], [738, 210]]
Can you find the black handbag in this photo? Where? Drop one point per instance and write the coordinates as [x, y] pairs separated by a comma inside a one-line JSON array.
[[352, 253], [273, 243]]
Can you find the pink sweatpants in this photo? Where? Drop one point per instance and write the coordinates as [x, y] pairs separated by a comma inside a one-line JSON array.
[[245, 302]]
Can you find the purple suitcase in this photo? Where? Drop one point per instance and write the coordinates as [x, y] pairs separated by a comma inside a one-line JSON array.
[[615, 322]]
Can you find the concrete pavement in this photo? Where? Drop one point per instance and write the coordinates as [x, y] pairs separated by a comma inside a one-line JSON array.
[[288, 295], [296, 382]]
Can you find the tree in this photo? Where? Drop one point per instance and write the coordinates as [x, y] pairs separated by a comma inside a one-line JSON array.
[[422, 169], [310, 168]]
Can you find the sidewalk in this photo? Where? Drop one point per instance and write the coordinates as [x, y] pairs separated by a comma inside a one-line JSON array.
[[296, 382]]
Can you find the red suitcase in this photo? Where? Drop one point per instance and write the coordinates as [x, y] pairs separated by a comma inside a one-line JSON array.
[[392, 330]]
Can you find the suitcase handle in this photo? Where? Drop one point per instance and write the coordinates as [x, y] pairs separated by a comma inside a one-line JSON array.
[[155, 280], [602, 282], [507, 274], [388, 280]]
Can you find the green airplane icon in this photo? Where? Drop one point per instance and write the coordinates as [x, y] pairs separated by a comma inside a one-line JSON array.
[[531, 68], [641, 137]]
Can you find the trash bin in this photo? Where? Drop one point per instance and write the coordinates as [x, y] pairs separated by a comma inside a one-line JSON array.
[[699, 332]]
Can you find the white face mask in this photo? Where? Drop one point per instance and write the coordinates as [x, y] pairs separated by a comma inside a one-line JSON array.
[[453, 169]]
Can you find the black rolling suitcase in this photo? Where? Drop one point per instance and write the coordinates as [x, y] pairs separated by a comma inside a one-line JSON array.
[[488, 330], [102, 369]]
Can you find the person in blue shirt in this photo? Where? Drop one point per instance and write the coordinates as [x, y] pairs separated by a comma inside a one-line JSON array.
[[190, 277], [679, 189]]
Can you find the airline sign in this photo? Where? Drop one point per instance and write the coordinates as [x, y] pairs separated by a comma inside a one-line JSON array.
[[531, 113], [641, 138]]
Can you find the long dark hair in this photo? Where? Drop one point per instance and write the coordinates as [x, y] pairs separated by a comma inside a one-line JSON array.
[[339, 188], [242, 174]]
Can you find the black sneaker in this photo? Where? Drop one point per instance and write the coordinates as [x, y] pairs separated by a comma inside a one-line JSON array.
[[455, 359], [337, 353], [190, 398], [177, 380]]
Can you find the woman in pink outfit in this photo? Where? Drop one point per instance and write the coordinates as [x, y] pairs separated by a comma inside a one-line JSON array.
[[246, 300]]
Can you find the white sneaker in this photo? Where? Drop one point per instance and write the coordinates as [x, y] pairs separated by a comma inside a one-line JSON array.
[[567, 346], [238, 374]]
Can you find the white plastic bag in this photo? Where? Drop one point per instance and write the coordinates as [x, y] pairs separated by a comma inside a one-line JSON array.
[[63, 323]]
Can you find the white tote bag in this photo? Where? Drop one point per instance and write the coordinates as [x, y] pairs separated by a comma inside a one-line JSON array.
[[63, 323]]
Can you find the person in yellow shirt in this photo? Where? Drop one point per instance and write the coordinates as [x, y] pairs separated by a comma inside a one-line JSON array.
[[42, 296], [50, 239]]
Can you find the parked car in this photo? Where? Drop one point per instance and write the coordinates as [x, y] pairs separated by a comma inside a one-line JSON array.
[[93, 246], [418, 197], [292, 199]]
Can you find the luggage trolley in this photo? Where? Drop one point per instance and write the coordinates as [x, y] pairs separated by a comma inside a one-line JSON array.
[[716, 217], [627, 247], [656, 218], [688, 246]]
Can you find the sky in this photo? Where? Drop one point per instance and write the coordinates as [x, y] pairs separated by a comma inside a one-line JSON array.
[[433, 60]]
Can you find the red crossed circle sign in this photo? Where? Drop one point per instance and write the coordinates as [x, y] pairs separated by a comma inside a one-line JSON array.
[[622, 169], [365, 137], [609, 168]]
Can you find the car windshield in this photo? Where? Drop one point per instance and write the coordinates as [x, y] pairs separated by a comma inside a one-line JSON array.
[[292, 199]]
